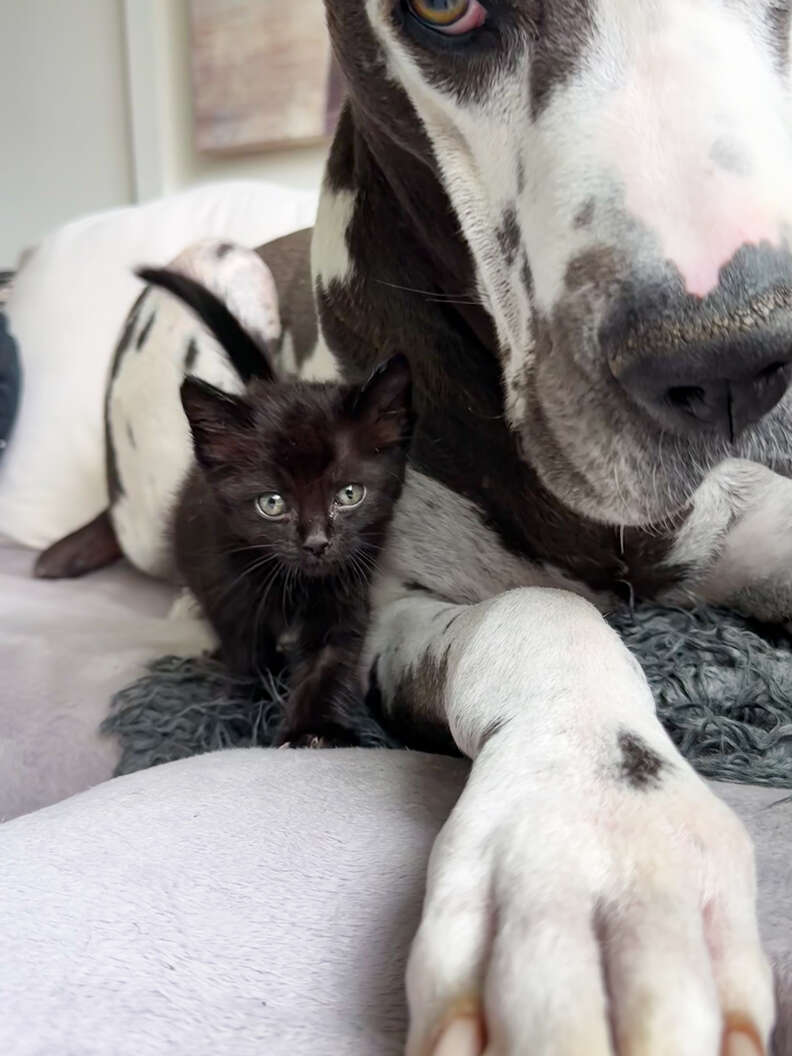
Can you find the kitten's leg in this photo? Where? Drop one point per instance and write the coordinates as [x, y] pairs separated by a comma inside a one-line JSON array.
[[245, 657], [229, 603], [325, 701], [248, 652]]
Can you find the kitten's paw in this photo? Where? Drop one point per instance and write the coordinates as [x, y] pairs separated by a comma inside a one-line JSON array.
[[312, 740], [306, 740], [335, 738]]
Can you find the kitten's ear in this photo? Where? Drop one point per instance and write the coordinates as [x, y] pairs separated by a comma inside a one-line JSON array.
[[384, 404], [220, 424]]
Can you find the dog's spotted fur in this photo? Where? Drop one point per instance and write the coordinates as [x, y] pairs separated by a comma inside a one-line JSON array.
[[640, 766], [507, 319]]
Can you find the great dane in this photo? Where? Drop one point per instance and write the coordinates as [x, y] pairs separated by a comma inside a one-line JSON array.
[[573, 215]]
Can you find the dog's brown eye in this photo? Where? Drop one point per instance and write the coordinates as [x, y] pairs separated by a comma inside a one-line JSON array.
[[449, 16], [440, 12]]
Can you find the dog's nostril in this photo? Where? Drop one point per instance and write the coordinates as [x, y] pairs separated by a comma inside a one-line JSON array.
[[686, 398], [717, 367], [770, 371], [727, 404]]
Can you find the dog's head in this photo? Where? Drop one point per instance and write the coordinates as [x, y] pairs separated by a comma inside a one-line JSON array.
[[621, 172]]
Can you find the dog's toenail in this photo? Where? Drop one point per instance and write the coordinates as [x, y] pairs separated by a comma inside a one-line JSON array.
[[737, 1043], [462, 1037]]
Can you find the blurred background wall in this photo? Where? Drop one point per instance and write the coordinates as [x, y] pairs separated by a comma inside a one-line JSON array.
[[96, 110]]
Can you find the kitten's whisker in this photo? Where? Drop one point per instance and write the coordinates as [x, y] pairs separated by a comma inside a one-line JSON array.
[[248, 571], [260, 609], [247, 549], [286, 596], [360, 571]]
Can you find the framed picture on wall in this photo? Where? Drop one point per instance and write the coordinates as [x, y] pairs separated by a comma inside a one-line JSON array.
[[263, 74]]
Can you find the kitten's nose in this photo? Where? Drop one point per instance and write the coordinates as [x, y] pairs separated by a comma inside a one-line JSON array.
[[316, 543]]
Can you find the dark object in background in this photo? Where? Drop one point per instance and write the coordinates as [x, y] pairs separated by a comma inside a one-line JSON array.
[[10, 378]]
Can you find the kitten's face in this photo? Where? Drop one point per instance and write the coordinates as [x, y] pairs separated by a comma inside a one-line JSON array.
[[307, 472]]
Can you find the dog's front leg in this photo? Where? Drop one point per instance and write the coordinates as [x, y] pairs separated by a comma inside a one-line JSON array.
[[737, 543], [588, 894]]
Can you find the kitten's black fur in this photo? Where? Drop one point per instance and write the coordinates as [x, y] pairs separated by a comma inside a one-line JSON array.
[[295, 587]]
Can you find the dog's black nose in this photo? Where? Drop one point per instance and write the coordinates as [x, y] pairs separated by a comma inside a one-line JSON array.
[[718, 363], [724, 389]]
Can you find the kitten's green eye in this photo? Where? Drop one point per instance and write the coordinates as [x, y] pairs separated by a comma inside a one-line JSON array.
[[350, 495], [271, 505]]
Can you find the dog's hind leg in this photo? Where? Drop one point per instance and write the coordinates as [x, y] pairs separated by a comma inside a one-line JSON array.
[[85, 550]]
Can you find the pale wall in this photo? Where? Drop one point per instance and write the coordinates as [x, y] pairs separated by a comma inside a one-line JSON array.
[[64, 141], [95, 112], [166, 160]]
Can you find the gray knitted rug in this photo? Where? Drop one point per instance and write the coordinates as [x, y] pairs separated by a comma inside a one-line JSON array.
[[723, 688]]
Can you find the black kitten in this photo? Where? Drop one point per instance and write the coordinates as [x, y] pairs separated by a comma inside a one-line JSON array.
[[278, 528]]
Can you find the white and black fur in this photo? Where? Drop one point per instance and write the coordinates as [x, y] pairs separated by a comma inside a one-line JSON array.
[[576, 218], [148, 445]]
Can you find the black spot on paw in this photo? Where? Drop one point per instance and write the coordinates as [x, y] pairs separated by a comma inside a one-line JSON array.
[[223, 250], [131, 436], [640, 765]]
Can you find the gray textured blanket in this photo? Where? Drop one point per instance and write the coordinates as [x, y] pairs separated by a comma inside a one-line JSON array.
[[723, 689]]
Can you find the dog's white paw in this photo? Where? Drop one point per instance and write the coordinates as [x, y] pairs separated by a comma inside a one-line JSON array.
[[589, 908]]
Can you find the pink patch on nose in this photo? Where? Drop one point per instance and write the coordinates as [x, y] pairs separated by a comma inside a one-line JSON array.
[[700, 216], [659, 128], [701, 249]]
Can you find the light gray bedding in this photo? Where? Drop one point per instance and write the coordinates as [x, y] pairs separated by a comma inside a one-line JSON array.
[[244, 902], [249, 902], [65, 647]]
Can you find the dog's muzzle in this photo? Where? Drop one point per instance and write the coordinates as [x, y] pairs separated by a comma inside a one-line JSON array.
[[719, 363]]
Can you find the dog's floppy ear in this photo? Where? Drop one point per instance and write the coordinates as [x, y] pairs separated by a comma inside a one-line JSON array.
[[249, 357], [220, 424], [383, 406]]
